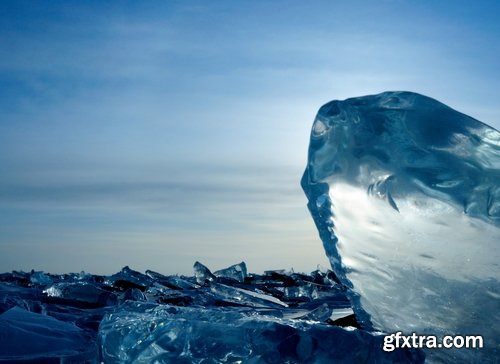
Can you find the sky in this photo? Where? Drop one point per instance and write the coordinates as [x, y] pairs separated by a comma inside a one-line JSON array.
[[154, 134]]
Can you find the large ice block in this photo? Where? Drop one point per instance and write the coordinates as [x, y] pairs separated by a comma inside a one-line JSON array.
[[405, 193]]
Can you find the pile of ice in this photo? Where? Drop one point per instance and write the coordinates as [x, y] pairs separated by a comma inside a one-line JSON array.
[[228, 316]]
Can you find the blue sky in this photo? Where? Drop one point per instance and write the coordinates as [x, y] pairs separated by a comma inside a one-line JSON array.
[[155, 133]]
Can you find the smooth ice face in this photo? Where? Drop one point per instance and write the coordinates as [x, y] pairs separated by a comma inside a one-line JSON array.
[[29, 337], [405, 193]]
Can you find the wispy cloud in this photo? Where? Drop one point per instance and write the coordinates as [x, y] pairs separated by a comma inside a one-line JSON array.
[[190, 214]]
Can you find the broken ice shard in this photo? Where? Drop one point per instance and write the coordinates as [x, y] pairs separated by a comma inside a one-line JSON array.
[[405, 193], [237, 272]]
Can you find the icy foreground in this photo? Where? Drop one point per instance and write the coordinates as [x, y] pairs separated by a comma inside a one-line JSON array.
[[228, 316], [405, 193]]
